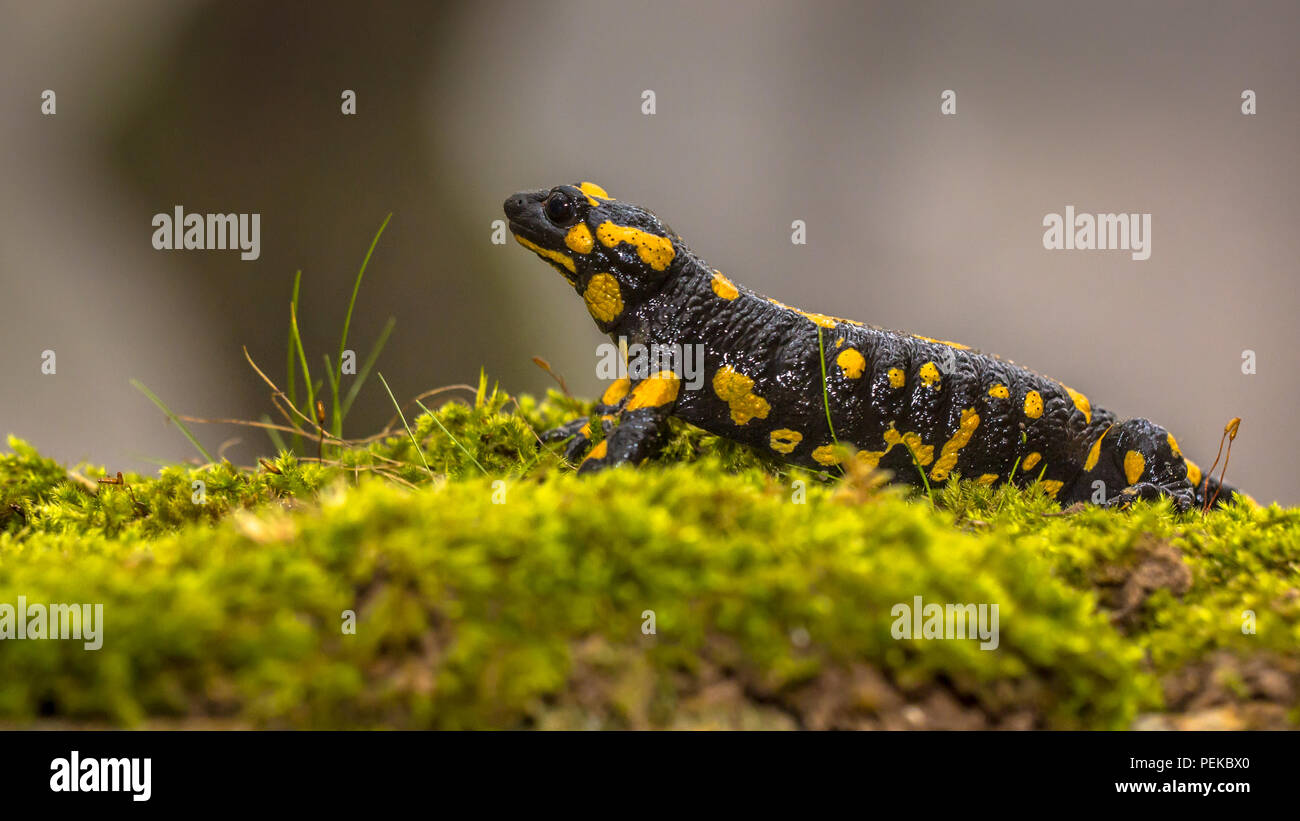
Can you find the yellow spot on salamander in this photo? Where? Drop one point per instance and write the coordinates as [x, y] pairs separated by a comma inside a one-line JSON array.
[[1134, 466], [579, 239], [1033, 404], [1031, 460], [987, 479], [598, 452], [970, 420], [1053, 486], [1193, 472], [784, 440], [656, 391], [1173, 445], [603, 297], [1094, 453], [956, 345], [737, 390], [1080, 402], [655, 251], [851, 362], [870, 458], [923, 453], [615, 393], [546, 253], [724, 287], [820, 319], [930, 375], [825, 455], [839, 342], [897, 378], [592, 191], [999, 391]]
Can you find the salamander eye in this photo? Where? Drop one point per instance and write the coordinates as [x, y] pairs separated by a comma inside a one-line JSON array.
[[561, 209]]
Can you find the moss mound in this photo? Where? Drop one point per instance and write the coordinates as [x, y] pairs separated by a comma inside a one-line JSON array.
[[497, 589]]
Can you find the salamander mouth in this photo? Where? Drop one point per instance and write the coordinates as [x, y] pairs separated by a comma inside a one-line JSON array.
[[559, 260], [533, 231], [524, 216], [527, 231]]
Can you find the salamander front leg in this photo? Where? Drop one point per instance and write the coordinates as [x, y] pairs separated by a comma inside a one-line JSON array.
[[642, 425], [580, 429]]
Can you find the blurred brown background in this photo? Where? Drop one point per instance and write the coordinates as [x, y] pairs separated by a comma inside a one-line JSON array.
[[770, 112]]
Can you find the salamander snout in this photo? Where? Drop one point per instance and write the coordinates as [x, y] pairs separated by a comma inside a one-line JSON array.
[[515, 206]]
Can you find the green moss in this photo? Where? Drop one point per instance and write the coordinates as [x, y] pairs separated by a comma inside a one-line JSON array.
[[513, 595]]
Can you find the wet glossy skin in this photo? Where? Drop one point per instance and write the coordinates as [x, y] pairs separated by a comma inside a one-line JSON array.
[[904, 402]]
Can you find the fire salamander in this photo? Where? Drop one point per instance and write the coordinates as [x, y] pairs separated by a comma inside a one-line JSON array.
[[797, 384]]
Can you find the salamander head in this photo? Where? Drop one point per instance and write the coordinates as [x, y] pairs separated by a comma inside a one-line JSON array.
[[614, 254]]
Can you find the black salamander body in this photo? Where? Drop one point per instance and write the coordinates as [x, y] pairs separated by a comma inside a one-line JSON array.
[[795, 384]]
